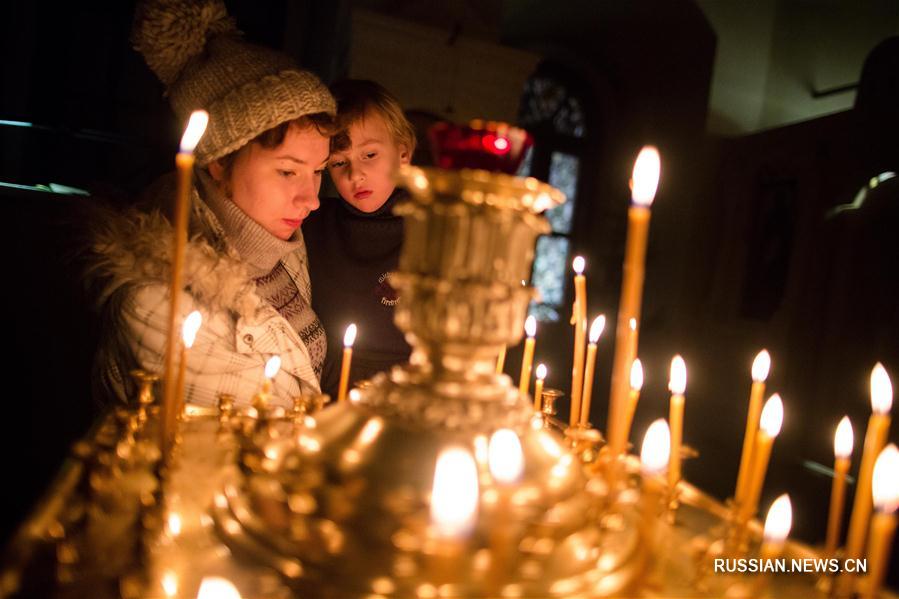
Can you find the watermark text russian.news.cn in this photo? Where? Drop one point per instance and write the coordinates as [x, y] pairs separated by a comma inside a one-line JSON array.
[[751, 565]]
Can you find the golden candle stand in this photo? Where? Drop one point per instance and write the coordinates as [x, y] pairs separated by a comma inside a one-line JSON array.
[[585, 442], [339, 501], [98, 544]]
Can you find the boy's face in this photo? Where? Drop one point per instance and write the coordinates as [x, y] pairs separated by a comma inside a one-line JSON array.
[[363, 172]]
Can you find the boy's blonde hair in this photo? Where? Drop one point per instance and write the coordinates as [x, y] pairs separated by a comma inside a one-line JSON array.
[[357, 98]]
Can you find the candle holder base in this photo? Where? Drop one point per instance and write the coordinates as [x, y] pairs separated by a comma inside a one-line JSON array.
[[672, 503], [585, 442]]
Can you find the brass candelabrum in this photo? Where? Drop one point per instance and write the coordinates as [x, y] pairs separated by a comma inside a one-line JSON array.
[[339, 500], [352, 495], [350, 499]]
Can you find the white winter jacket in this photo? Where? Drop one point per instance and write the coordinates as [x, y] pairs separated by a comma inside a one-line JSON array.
[[129, 272]]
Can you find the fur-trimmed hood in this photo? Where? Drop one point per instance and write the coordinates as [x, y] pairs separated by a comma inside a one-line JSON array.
[[133, 248], [127, 257]]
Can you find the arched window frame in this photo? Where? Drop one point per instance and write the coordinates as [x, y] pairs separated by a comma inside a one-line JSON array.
[[564, 142]]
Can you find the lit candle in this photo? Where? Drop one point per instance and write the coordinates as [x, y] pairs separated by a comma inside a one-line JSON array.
[[501, 360], [188, 335], [272, 366], [527, 358], [777, 528], [538, 388], [169, 583], [505, 457], [599, 323], [580, 334], [636, 384], [677, 384], [769, 427], [654, 457], [760, 368], [656, 448], [875, 439], [454, 496], [842, 450], [632, 337], [173, 524], [506, 462], [644, 182], [349, 337], [184, 162], [885, 489], [215, 587], [454, 507]]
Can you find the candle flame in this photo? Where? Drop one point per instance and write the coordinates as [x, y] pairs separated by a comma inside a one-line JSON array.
[[656, 448], [596, 329], [190, 328], [541, 371], [843, 440], [454, 496], [371, 430], [677, 382], [772, 416], [761, 366], [196, 127], [481, 450], [885, 484], [169, 583], [530, 326], [505, 456], [542, 202], [645, 177], [637, 375], [173, 523], [881, 390], [215, 587], [779, 520], [578, 264], [349, 337], [272, 367]]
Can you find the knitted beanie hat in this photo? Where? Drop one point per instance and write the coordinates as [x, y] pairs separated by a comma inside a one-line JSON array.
[[197, 52]]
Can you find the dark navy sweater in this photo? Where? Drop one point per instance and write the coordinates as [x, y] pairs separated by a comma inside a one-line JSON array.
[[351, 254]]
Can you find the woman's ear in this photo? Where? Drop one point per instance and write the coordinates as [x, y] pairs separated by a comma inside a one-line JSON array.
[[405, 155], [217, 170]]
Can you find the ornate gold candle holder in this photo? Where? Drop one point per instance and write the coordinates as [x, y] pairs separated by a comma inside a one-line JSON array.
[[353, 494], [341, 502], [549, 410], [145, 399]]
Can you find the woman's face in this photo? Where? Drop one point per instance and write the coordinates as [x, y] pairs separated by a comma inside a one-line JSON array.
[[278, 187], [364, 172]]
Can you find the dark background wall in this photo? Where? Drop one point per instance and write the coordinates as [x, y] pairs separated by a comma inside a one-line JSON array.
[[743, 254]]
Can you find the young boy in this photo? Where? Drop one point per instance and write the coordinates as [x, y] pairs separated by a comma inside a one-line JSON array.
[[354, 241]]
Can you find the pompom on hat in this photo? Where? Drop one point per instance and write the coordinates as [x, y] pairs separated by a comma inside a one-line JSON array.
[[196, 50]]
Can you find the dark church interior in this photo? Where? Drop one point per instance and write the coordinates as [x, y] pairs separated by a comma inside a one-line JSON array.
[[773, 226]]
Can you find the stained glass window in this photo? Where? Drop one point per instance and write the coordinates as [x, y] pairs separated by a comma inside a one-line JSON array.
[[525, 169], [555, 117], [547, 100], [550, 266], [563, 170]]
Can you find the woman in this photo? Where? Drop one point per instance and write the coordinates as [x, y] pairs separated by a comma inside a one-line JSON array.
[[259, 168]]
